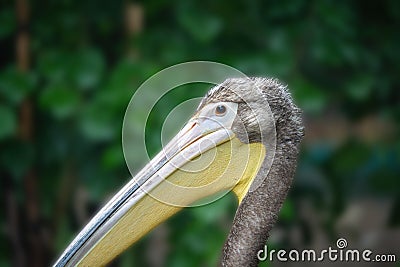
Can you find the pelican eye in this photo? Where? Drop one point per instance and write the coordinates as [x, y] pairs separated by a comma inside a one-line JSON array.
[[220, 110]]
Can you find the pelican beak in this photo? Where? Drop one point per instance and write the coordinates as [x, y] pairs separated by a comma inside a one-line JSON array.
[[195, 164]]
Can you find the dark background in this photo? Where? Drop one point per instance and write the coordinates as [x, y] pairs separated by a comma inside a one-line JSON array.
[[69, 68]]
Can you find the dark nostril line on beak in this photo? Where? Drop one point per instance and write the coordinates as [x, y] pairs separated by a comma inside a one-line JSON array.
[[193, 125]]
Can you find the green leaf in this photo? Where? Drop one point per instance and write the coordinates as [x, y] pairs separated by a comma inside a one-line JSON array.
[[113, 157], [309, 97], [212, 211], [7, 22], [360, 87], [53, 65], [202, 27], [16, 157], [8, 122], [287, 211], [15, 85], [60, 100], [97, 123], [87, 68]]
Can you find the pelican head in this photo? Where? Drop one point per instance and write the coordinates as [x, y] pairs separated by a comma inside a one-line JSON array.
[[244, 137]]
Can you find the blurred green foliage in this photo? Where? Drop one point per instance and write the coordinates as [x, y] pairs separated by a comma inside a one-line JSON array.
[[334, 55]]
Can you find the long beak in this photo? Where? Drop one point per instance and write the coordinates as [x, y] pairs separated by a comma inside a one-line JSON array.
[[131, 213]]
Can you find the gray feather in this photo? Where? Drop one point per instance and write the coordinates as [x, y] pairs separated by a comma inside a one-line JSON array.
[[259, 209]]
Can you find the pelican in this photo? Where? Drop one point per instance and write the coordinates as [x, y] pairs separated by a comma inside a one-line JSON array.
[[245, 137]]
